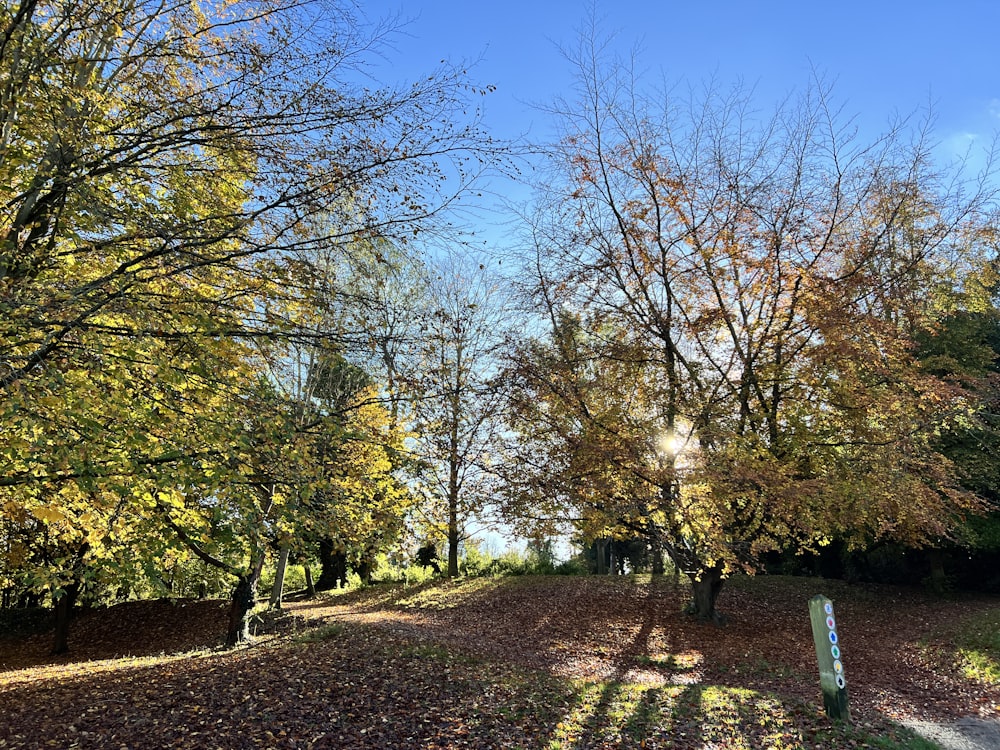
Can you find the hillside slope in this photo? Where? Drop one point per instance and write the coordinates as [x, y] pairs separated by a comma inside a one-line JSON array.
[[521, 662]]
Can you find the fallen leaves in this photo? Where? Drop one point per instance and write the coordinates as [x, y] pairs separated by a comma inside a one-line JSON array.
[[539, 662]]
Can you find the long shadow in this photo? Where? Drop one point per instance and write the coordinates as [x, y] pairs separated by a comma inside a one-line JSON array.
[[623, 715], [618, 711]]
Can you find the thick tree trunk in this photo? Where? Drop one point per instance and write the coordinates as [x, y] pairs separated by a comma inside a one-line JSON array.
[[938, 579], [333, 566], [279, 579], [658, 566], [64, 613], [244, 596], [366, 566], [705, 588], [602, 562]]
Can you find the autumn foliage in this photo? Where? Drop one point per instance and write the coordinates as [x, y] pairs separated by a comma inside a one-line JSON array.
[[232, 343], [731, 306]]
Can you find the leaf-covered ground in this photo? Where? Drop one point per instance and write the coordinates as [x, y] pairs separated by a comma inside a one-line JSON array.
[[519, 662]]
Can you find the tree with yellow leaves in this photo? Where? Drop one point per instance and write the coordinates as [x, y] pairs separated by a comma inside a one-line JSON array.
[[160, 169]]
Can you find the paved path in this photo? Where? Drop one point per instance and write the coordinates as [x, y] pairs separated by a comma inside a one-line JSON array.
[[963, 734]]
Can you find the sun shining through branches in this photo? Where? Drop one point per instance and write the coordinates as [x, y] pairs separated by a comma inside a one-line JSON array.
[[740, 295]]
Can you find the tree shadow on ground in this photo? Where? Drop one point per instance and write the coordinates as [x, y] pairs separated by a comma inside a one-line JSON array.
[[359, 689], [634, 629]]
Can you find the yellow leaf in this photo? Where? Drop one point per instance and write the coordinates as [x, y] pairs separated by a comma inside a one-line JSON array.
[[48, 514]]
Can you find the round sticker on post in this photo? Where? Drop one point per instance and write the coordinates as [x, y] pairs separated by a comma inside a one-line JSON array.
[[840, 681], [828, 608], [838, 667], [835, 651], [833, 636], [831, 623]]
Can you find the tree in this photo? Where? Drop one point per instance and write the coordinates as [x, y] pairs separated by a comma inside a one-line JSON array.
[[362, 509], [965, 346], [732, 303], [160, 169], [457, 398]]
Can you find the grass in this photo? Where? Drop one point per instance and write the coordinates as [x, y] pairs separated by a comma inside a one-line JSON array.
[[978, 648], [614, 714], [322, 633]]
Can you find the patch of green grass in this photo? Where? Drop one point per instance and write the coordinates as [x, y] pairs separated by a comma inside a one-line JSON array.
[[322, 633], [610, 713], [448, 594], [979, 666], [974, 647], [977, 649]]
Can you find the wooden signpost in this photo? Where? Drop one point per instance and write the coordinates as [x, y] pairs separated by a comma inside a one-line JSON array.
[[828, 654]]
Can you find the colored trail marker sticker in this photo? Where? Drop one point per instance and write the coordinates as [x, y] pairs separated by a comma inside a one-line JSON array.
[[828, 655]]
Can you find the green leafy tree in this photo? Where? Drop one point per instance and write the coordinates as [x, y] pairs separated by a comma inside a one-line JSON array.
[[965, 347]]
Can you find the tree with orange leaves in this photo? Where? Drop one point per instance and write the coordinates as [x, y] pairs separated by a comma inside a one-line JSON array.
[[732, 304]]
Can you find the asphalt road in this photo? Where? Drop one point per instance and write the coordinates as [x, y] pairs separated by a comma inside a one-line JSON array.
[[963, 734]]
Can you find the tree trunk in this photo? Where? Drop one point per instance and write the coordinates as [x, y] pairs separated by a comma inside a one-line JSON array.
[[602, 562], [333, 566], [310, 586], [244, 597], [658, 567], [279, 579], [705, 590], [938, 579], [453, 490], [453, 542], [366, 566], [64, 612]]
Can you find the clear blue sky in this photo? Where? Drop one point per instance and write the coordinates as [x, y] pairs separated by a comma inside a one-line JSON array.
[[885, 55]]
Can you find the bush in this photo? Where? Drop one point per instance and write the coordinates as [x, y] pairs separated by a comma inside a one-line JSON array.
[[295, 579], [476, 561], [575, 566]]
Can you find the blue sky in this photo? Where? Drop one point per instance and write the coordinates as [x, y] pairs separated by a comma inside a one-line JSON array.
[[884, 56]]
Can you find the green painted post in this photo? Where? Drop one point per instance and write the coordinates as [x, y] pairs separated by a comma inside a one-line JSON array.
[[831, 668]]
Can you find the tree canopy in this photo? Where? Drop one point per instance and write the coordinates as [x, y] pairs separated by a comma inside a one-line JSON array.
[[228, 330], [733, 304]]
